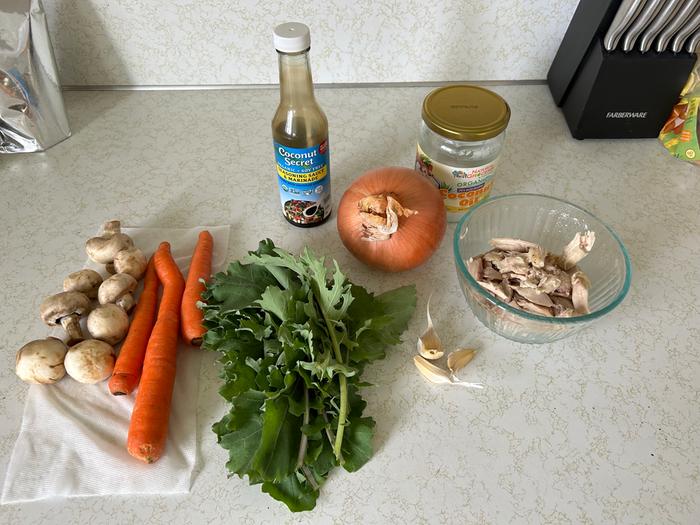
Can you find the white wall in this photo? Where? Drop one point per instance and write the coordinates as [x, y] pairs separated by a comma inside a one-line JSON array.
[[230, 42]]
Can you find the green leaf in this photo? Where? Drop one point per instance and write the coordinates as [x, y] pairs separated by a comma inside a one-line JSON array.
[[357, 445], [255, 327], [239, 432], [334, 297], [399, 304], [325, 461], [292, 492], [276, 378], [276, 457], [379, 321], [284, 276], [276, 301], [297, 404], [328, 370], [294, 336], [244, 381], [314, 430], [240, 346], [239, 287]]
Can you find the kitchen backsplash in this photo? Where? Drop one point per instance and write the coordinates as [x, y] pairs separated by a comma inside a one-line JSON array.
[[166, 42]]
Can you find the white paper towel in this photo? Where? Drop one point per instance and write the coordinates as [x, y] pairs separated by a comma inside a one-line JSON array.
[[72, 441]]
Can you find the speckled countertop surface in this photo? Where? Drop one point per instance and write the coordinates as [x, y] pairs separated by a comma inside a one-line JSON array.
[[603, 427]]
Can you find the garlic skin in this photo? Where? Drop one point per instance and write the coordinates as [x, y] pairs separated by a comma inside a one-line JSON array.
[[430, 348], [431, 372], [429, 344], [90, 361], [440, 376]]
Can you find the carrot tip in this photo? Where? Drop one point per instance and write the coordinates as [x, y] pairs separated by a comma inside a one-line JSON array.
[[122, 384], [146, 453]]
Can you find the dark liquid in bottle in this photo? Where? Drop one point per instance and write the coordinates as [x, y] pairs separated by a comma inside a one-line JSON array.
[[300, 135]]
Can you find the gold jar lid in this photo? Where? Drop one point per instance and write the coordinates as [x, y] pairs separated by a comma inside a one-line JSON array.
[[467, 113]]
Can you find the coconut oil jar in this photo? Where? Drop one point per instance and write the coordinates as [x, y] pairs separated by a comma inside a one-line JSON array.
[[461, 136]]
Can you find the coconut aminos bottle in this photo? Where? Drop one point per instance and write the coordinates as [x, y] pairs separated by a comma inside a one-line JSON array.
[[300, 133]]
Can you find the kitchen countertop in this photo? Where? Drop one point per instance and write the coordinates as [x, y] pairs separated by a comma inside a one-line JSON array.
[[603, 427]]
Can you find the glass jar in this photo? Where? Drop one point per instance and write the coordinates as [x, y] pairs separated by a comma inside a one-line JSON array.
[[460, 139]]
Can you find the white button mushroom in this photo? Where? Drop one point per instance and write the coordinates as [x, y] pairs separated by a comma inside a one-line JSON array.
[[109, 323], [118, 289], [41, 361], [103, 248], [85, 281], [131, 261], [66, 308], [90, 362]]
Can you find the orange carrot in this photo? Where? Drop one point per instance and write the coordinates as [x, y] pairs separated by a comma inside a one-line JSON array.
[[148, 429], [127, 369], [200, 268]]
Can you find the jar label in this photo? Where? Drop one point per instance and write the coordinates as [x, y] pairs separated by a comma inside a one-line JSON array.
[[461, 187], [304, 182]]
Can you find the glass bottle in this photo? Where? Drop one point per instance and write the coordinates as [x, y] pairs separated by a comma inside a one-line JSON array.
[[300, 133], [460, 139]]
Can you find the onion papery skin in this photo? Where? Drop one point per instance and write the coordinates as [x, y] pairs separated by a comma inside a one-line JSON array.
[[417, 237]]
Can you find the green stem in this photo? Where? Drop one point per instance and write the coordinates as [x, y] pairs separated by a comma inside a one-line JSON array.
[[341, 418], [303, 443], [342, 415]]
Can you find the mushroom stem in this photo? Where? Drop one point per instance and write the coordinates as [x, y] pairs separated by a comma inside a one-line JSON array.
[[71, 324], [113, 226]]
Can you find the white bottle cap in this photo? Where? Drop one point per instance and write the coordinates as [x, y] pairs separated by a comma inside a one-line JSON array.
[[292, 37]]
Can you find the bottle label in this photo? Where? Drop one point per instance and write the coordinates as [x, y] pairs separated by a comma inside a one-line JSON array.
[[461, 188], [304, 182]]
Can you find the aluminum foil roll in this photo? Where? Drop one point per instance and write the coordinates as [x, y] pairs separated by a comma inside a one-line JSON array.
[[32, 116]]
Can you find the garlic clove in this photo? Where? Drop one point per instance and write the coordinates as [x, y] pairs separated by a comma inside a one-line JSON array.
[[432, 373], [459, 359], [429, 344], [429, 353]]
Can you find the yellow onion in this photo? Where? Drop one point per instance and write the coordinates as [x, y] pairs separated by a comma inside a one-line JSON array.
[[392, 218]]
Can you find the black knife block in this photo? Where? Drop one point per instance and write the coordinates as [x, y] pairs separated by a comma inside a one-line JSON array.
[[613, 94]]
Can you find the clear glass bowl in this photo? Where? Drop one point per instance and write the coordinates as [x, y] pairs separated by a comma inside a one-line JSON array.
[[552, 223]]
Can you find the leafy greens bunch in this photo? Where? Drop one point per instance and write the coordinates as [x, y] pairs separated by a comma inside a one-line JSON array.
[[294, 337]]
